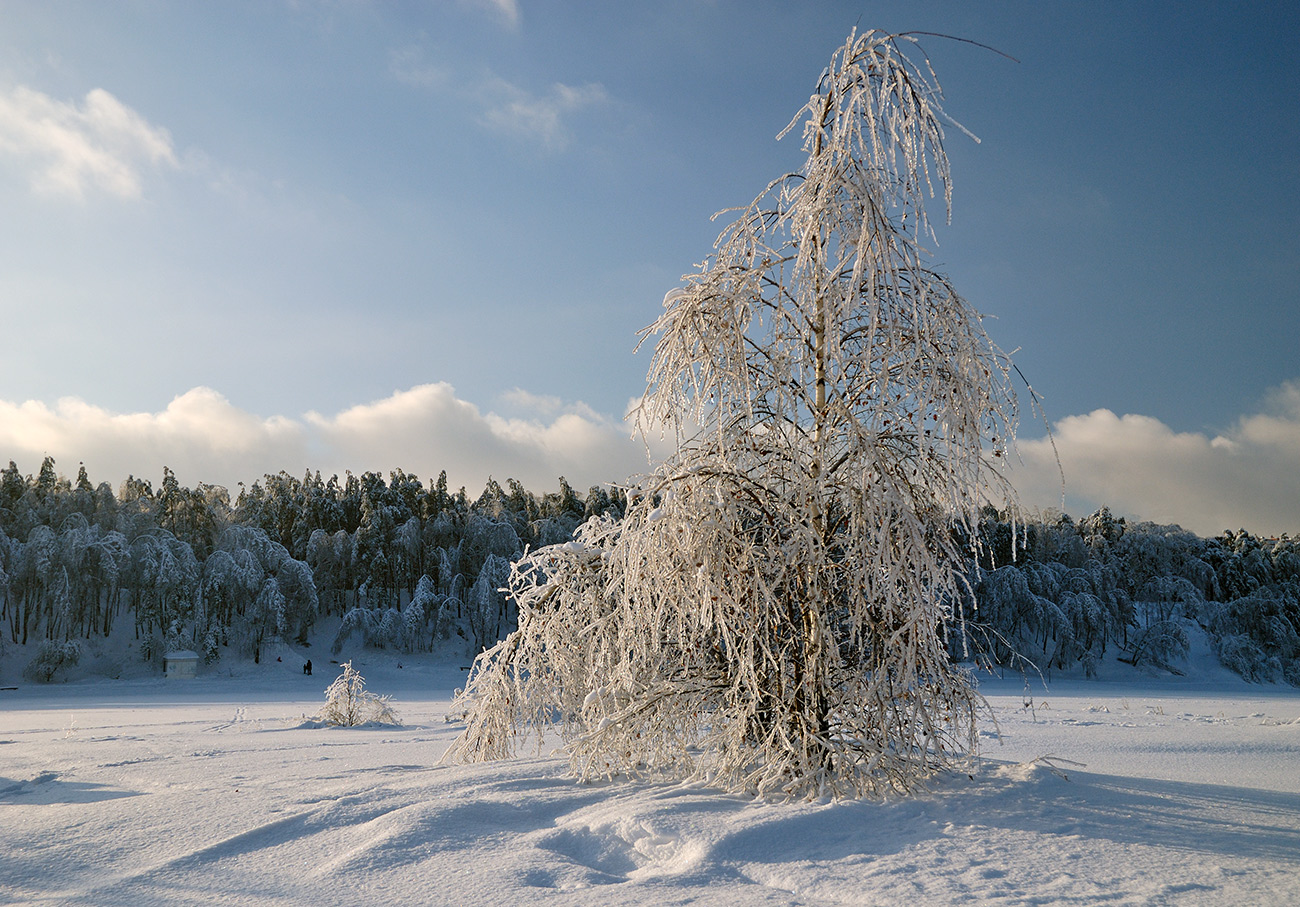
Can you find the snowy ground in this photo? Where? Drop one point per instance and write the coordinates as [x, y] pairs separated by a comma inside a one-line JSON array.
[[217, 791]]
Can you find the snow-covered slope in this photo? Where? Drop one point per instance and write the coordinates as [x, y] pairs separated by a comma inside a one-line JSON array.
[[1131, 789]]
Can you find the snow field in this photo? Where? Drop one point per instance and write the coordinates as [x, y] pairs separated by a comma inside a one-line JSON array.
[[223, 791]]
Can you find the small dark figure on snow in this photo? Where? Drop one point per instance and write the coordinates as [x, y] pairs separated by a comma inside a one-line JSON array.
[[306, 669]]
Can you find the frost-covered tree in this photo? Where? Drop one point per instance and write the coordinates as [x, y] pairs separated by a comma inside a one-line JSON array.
[[486, 603], [51, 656], [769, 615]]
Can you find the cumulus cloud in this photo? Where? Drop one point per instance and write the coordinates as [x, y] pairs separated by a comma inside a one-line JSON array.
[[539, 404], [68, 149], [1248, 476], [432, 429], [202, 437]]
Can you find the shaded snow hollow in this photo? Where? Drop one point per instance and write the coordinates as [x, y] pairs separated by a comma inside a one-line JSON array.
[[222, 791]]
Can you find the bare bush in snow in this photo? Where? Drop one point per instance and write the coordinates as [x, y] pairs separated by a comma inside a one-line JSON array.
[[348, 703]]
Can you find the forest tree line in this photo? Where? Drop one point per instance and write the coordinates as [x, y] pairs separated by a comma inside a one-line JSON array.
[[404, 564], [1055, 593]]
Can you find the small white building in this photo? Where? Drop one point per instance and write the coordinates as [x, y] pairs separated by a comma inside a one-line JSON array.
[[183, 664]]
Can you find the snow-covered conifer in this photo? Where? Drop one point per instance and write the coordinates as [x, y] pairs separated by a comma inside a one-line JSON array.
[[392, 630], [486, 603]]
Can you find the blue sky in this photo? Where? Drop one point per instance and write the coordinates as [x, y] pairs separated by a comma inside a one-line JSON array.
[[242, 237]]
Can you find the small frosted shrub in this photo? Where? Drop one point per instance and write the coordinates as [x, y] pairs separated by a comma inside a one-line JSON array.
[[348, 703]]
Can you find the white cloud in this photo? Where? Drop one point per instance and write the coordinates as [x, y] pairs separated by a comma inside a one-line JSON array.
[[68, 149], [503, 106], [1246, 477], [543, 118], [202, 437], [540, 404], [431, 429], [506, 10], [410, 66]]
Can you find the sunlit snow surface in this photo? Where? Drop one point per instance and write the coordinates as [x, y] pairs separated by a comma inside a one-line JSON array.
[[219, 791]]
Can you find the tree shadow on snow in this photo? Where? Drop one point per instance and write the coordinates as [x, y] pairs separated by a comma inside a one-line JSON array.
[[1190, 817], [1196, 817], [46, 789]]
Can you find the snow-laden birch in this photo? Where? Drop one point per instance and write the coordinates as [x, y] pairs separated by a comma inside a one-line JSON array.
[[769, 614]]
